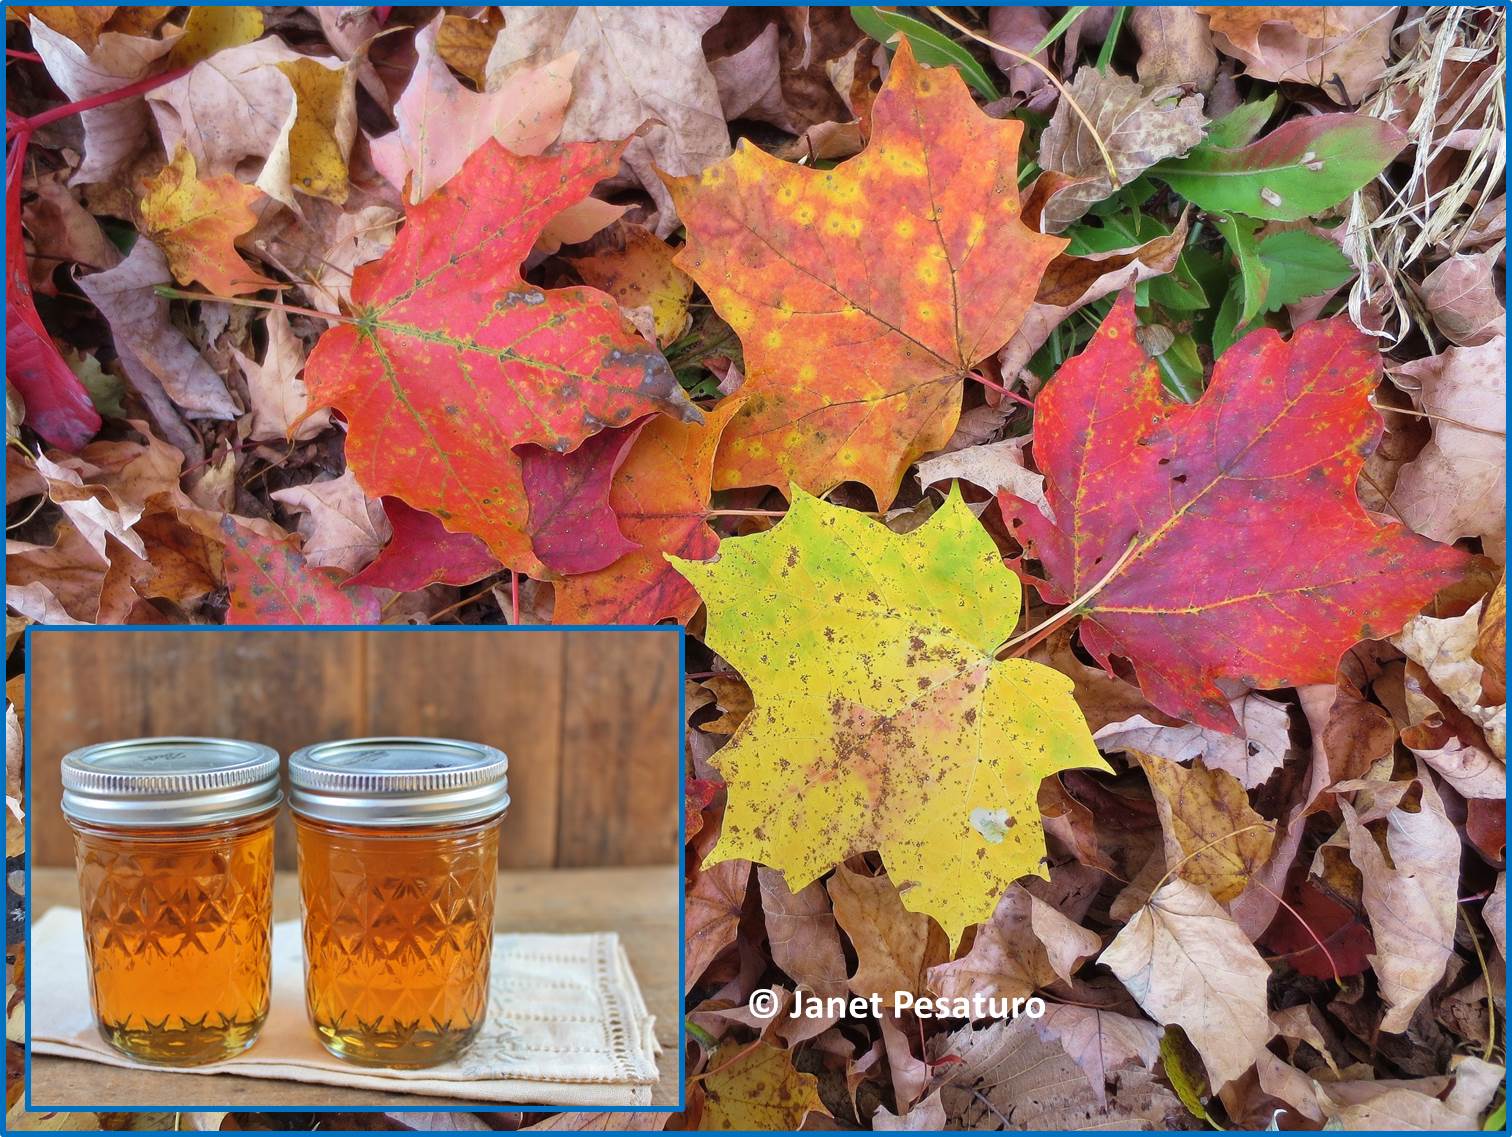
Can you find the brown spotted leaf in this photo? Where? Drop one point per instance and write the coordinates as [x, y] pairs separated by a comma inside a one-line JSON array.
[[883, 719]]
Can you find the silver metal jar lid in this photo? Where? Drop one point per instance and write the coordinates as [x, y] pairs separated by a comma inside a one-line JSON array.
[[398, 781], [169, 782]]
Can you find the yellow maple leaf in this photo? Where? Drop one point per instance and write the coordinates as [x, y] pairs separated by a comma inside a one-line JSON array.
[[758, 1090], [196, 223], [883, 718]]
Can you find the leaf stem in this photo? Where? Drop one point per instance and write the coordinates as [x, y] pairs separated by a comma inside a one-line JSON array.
[[1174, 869], [1491, 430], [171, 293], [105, 98], [1034, 635], [1486, 974], [1000, 389], [1102, 147], [726, 1065], [1306, 927]]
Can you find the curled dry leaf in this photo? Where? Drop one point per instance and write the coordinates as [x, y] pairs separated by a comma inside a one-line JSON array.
[[995, 467], [1007, 959], [894, 947], [1072, 282], [1187, 964], [1213, 837], [1457, 486], [340, 526], [712, 909], [275, 390], [441, 123], [1175, 47], [1411, 898], [1460, 296], [641, 75], [1138, 128], [1251, 756], [1340, 49], [1100, 1042], [116, 132], [1445, 649], [156, 356], [802, 931]]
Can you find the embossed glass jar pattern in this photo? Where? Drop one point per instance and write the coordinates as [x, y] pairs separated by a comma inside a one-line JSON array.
[[398, 854], [173, 841]]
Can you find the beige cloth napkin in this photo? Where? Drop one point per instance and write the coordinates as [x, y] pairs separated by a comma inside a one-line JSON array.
[[566, 1023]]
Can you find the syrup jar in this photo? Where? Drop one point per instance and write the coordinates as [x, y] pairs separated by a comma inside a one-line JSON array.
[[398, 857], [173, 839]]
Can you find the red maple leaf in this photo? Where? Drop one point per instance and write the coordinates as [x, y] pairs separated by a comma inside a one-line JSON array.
[[422, 552], [572, 525], [1236, 544], [453, 359], [271, 583]]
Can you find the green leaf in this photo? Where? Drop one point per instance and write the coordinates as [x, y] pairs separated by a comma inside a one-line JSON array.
[[1241, 124], [1178, 290], [930, 47], [1254, 274], [1181, 369], [1105, 55], [1301, 264], [1303, 167], [1184, 1068], [1226, 325], [1060, 26]]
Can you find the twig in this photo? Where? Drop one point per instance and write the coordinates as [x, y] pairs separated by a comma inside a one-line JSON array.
[[1102, 147]]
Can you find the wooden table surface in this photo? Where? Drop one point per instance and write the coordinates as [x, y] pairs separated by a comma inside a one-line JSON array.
[[641, 904]]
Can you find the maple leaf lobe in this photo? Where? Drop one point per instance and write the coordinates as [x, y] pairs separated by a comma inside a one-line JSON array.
[[863, 294], [1247, 554], [454, 359]]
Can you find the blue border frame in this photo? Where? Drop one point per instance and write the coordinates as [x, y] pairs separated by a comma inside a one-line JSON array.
[[433, 629]]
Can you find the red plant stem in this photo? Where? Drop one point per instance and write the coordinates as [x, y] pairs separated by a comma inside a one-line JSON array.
[[1297, 916], [514, 596], [1001, 390], [29, 56], [105, 98]]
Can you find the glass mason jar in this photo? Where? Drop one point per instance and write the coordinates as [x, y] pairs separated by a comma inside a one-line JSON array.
[[398, 858], [173, 838]]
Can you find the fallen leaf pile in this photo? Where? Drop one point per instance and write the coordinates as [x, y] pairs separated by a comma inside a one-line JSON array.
[[1073, 439]]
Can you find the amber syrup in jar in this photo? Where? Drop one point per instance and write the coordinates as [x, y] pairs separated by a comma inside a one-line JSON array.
[[173, 840], [398, 856]]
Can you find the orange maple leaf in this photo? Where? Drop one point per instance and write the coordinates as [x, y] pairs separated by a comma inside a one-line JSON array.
[[196, 222], [863, 295]]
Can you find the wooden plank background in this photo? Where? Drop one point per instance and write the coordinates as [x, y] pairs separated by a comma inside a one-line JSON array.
[[588, 718]]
